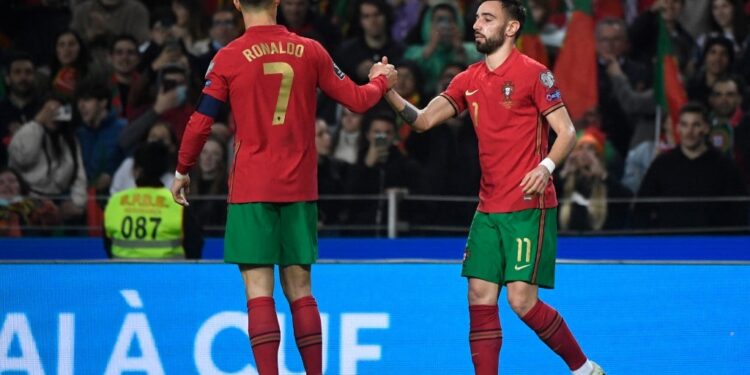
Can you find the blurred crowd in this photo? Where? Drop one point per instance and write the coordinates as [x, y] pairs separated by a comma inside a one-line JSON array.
[[88, 82]]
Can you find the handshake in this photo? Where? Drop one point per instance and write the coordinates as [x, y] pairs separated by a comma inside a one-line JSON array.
[[383, 68]]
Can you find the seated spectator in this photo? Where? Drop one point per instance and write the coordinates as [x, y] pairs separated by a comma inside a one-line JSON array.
[[370, 40], [726, 114], [70, 64], [96, 18], [124, 177], [124, 57], [645, 30], [145, 222], [586, 187], [380, 166], [728, 20], [329, 176], [210, 178], [718, 57], [224, 29], [694, 169], [189, 26], [98, 134], [20, 214], [346, 139], [56, 168], [405, 17], [409, 86], [21, 103], [172, 105], [437, 42], [301, 19]]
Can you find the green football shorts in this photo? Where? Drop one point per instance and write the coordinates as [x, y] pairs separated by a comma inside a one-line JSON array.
[[513, 246], [272, 233]]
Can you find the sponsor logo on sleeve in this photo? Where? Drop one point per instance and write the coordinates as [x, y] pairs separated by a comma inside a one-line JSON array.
[[553, 96], [208, 83], [338, 71], [548, 80]]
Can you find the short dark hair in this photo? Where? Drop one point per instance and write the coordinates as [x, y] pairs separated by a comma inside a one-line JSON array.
[[152, 158], [721, 41], [120, 38], [19, 56], [738, 81], [254, 3], [695, 107], [92, 88], [515, 11]]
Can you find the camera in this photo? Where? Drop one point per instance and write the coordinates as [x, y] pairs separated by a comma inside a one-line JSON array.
[[381, 139]]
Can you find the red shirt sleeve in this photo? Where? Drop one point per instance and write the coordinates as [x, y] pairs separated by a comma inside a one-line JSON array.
[[342, 89], [546, 94], [456, 92], [215, 92]]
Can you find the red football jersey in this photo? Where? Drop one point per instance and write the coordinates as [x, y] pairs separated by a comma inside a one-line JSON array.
[[507, 107], [270, 77]]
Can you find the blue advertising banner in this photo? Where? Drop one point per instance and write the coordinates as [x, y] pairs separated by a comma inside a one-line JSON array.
[[390, 319], [689, 248]]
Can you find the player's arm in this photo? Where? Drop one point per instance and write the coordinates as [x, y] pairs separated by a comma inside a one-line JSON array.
[[197, 131], [536, 180], [342, 89], [438, 110]]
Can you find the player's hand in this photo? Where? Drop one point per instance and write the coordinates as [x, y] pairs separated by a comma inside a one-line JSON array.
[[180, 187], [385, 69], [535, 181]]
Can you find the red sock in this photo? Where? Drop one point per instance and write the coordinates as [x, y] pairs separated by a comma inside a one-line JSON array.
[[485, 338], [263, 326], [307, 333], [551, 328]]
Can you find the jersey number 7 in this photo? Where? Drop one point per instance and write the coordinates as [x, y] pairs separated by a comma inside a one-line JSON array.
[[287, 76]]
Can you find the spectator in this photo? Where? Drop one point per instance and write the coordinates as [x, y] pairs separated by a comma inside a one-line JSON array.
[[726, 113], [70, 64], [47, 154], [380, 166], [619, 121], [96, 18], [370, 40], [329, 176], [692, 170], [144, 222], [210, 178], [405, 16], [438, 41], [21, 103], [124, 57], [586, 188], [645, 30], [300, 18], [189, 26], [21, 214], [172, 105], [727, 20], [718, 57], [224, 29], [124, 177], [98, 134], [346, 139], [409, 86]]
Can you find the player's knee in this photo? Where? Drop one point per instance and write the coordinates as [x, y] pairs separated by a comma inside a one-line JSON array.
[[296, 289], [479, 295], [521, 303]]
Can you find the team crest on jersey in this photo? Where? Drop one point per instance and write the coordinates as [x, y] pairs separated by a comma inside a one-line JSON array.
[[508, 89], [339, 72], [548, 80], [210, 68]]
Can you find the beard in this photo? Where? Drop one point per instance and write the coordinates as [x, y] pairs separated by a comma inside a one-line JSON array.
[[490, 45]]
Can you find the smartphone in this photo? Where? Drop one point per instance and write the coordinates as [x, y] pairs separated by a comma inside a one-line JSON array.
[[64, 113], [381, 139]]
